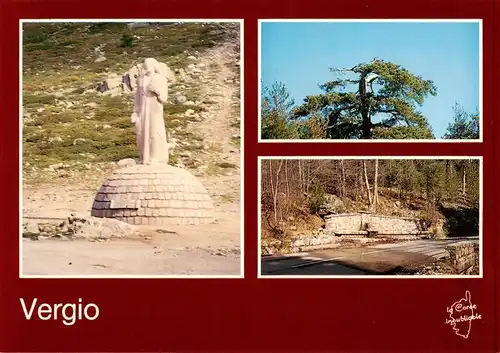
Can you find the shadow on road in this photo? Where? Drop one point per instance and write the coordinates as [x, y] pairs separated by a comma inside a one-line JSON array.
[[352, 264]]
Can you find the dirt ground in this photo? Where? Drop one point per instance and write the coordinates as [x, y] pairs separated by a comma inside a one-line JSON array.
[[211, 249], [181, 250]]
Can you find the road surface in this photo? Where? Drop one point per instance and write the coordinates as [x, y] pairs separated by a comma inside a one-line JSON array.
[[381, 259]]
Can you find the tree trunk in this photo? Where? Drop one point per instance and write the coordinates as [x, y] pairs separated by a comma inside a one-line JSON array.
[[287, 185], [365, 108], [360, 182], [274, 190], [308, 180], [300, 178], [463, 178], [342, 169], [375, 189], [367, 125], [367, 183]]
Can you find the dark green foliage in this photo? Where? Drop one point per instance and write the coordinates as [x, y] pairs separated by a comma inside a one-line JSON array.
[[103, 27], [403, 132], [127, 41], [350, 115], [404, 175], [461, 221], [464, 126], [276, 126], [316, 197], [276, 109], [433, 179]]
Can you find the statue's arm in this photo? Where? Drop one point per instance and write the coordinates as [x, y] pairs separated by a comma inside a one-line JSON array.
[[159, 86]]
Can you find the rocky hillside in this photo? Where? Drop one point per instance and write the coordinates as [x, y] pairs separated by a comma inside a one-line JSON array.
[[73, 127]]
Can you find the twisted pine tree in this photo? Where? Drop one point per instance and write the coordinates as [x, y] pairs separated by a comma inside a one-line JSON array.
[[350, 114]]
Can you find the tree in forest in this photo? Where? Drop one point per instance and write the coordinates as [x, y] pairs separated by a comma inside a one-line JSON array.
[[295, 193], [372, 197], [384, 91], [276, 107], [375, 189], [465, 126]]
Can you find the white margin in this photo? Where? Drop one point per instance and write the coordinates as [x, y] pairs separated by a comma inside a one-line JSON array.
[[259, 223], [437, 140], [242, 174]]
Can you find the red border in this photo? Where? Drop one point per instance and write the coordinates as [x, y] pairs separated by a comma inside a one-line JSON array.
[[249, 314], [496, 308]]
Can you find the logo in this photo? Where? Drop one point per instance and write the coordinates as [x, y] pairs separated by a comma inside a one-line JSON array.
[[461, 315]]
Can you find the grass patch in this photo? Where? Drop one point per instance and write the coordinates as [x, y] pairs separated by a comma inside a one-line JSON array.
[[113, 108], [32, 99], [173, 159], [79, 140], [181, 109], [214, 170], [226, 198], [80, 90], [31, 235], [226, 165], [192, 147], [52, 45], [219, 168], [178, 123], [48, 118], [236, 141]]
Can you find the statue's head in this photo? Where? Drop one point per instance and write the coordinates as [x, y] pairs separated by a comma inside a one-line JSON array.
[[150, 65]]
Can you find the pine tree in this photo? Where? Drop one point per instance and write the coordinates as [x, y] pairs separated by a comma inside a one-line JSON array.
[[275, 113], [464, 126], [349, 114]]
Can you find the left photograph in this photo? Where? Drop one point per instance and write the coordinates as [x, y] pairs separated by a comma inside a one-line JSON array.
[[131, 160]]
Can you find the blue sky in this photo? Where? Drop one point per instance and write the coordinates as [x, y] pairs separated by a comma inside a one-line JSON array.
[[300, 54]]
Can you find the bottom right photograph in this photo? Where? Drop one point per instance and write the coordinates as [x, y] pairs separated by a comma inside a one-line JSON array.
[[370, 217]]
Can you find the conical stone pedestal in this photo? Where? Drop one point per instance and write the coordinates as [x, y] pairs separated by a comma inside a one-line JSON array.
[[153, 195]]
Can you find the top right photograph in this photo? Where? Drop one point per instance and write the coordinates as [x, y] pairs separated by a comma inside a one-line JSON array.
[[370, 80]]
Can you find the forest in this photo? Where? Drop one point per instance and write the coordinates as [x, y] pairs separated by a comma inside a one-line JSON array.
[[298, 193], [375, 100]]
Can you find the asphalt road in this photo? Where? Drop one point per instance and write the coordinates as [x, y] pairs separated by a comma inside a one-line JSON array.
[[381, 259]]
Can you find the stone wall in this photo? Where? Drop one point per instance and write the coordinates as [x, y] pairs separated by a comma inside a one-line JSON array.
[[393, 225], [463, 255], [318, 239], [353, 223], [343, 223]]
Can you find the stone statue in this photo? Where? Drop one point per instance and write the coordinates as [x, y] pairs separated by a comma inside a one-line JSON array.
[[151, 94]]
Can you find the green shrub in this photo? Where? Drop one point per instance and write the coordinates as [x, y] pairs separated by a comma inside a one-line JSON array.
[[316, 197], [127, 41]]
